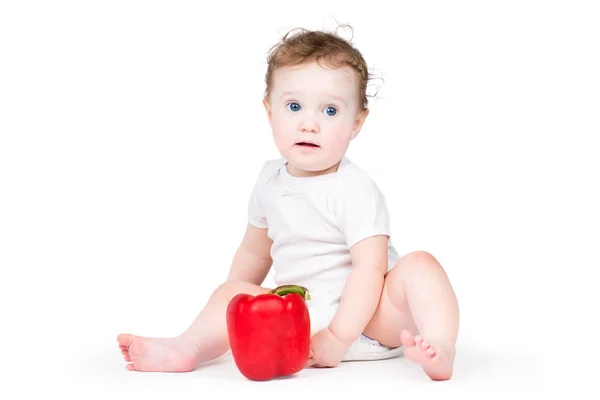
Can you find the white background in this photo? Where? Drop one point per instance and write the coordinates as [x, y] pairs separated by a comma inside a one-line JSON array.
[[131, 133]]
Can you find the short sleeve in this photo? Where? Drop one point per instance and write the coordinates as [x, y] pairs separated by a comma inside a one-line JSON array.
[[256, 212], [256, 215], [360, 209]]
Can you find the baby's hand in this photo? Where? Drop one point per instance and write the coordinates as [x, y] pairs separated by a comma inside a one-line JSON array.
[[326, 350]]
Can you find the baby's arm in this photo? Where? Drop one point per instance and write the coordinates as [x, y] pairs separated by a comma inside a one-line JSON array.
[[252, 260], [362, 290]]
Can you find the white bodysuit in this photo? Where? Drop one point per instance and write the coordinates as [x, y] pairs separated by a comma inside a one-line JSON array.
[[313, 222]]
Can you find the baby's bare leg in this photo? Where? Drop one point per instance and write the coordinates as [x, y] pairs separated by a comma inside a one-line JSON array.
[[204, 340], [419, 310]]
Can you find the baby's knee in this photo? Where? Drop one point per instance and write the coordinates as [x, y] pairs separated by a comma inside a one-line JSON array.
[[420, 260], [416, 263], [421, 257]]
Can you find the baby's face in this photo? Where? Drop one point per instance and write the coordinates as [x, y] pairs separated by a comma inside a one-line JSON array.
[[314, 114]]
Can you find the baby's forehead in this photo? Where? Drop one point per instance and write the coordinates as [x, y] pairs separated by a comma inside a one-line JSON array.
[[310, 76], [313, 69]]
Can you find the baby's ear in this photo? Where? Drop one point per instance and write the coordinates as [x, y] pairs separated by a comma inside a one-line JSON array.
[[359, 122], [267, 108]]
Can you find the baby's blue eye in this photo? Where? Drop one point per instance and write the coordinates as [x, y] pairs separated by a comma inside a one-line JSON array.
[[294, 107], [331, 111]]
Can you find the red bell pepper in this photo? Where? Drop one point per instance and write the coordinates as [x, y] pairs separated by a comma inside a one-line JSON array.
[[269, 334]]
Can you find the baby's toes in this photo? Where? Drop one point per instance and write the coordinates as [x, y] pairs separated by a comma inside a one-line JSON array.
[[425, 345], [430, 352], [418, 339], [136, 348]]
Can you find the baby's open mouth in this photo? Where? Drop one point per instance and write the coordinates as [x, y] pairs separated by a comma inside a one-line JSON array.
[[306, 144]]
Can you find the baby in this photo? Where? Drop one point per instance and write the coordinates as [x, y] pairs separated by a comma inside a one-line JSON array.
[[320, 221]]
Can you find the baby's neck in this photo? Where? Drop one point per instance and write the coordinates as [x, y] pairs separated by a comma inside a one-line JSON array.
[[301, 173]]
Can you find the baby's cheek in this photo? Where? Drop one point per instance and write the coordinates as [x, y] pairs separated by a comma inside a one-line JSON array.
[[279, 133], [339, 143]]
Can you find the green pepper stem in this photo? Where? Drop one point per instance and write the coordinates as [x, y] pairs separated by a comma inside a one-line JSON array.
[[287, 289]]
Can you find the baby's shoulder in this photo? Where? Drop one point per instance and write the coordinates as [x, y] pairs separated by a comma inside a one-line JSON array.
[[269, 169], [357, 196], [352, 178]]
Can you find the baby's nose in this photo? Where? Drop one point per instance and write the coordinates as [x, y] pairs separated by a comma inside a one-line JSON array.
[[309, 125]]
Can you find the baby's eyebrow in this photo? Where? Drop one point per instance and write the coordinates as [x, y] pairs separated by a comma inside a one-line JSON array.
[[338, 98]]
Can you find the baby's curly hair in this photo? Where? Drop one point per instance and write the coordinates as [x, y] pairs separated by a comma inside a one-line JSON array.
[[323, 47]]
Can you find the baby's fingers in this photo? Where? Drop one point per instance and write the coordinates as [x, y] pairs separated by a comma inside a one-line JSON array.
[[309, 363]]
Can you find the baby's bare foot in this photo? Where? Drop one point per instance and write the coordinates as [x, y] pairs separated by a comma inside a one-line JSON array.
[[437, 361], [157, 354]]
